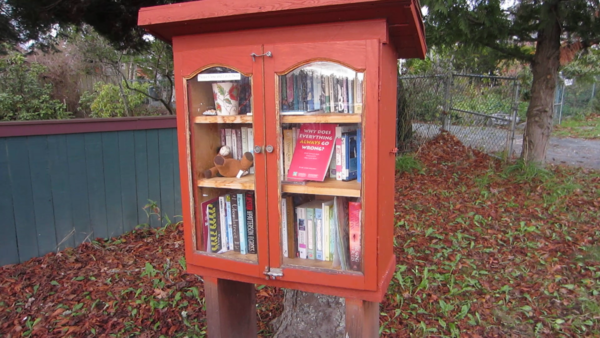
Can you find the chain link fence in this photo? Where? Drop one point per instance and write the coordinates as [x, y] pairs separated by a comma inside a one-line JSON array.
[[481, 111], [576, 97]]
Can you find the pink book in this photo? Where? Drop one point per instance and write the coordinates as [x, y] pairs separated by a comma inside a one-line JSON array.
[[354, 215], [312, 153]]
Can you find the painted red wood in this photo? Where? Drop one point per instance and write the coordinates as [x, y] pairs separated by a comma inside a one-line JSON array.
[[76, 126], [230, 308], [362, 318]]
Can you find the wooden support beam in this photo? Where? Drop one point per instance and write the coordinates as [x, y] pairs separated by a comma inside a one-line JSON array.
[[230, 308], [362, 319]]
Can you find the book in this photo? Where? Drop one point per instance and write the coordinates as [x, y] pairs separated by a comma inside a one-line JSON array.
[[319, 234], [210, 210], [338, 158], [310, 232], [332, 234], [288, 150], [284, 227], [229, 220], [342, 233], [355, 245], [235, 223], [205, 244], [238, 143], [327, 233], [358, 155], [223, 138], [233, 145], [339, 131], [251, 146], [243, 230], [244, 135], [250, 223], [310, 161], [358, 97], [302, 232], [223, 224], [228, 139], [350, 153]]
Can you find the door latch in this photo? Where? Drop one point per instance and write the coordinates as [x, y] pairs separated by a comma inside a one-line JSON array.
[[254, 55], [273, 273]]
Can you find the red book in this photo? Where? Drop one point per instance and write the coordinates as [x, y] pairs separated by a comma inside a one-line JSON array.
[[312, 153], [354, 216]]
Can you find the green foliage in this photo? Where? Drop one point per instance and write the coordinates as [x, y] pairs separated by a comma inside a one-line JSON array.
[[408, 163], [107, 101], [23, 94]]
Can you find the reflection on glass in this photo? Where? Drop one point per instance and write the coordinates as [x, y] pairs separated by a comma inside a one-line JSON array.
[[321, 87], [220, 91]]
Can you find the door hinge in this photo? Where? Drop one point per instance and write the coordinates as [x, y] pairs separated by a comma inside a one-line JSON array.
[[273, 272]]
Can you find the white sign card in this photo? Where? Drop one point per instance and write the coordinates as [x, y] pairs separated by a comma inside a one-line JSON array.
[[219, 77]]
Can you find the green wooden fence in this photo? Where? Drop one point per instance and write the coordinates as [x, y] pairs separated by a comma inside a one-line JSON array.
[[62, 183]]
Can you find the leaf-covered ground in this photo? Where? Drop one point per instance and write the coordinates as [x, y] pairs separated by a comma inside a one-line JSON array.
[[483, 250]]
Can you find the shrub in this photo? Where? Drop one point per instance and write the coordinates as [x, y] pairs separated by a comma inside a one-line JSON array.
[[106, 100]]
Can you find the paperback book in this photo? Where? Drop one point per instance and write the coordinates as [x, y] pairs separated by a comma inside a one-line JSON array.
[[314, 146]]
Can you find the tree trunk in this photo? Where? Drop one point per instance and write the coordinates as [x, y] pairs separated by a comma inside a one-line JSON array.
[[310, 315], [545, 70]]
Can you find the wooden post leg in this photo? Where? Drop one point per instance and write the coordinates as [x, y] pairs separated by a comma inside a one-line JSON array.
[[362, 319], [230, 308]]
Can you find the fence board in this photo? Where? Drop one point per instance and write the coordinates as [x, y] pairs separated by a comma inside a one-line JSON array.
[[20, 175], [128, 193], [166, 149], [95, 178], [112, 181], [78, 187], [153, 172], [9, 252], [61, 191], [176, 185], [141, 174], [42, 193]]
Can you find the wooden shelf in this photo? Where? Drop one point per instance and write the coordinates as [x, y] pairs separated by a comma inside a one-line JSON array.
[[330, 186], [236, 256], [322, 118], [312, 264], [223, 119], [244, 183]]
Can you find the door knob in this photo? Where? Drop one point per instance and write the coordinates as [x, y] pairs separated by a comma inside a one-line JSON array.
[[269, 148], [257, 149]]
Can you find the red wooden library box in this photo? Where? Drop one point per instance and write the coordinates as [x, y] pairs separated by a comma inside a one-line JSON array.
[[262, 76]]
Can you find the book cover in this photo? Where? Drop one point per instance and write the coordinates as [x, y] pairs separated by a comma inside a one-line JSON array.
[[291, 232], [238, 143], [250, 222], [243, 230], [342, 233], [223, 223], [327, 252], [351, 156], [229, 220], [358, 155], [319, 234], [354, 219], [210, 211], [235, 223], [302, 232], [288, 150], [310, 161], [284, 227], [251, 146]]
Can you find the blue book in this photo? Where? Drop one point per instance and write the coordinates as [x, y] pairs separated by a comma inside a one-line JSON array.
[[359, 155], [229, 221], [349, 142], [242, 218], [318, 220]]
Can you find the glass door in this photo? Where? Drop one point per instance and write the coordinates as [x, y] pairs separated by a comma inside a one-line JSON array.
[[315, 108], [224, 115]]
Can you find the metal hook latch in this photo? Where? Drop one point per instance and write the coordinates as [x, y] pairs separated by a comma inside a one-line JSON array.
[[254, 55]]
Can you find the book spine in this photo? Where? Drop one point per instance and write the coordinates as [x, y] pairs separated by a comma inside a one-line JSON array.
[[235, 223], [338, 158], [358, 155], [354, 220], [284, 227], [302, 233], [250, 223], [205, 226], [345, 93], [327, 103], [283, 92], [318, 216], [332, 234], [332, 163], [251, 146], [359, 95], [344, 154], [288, 150], [350, 96], [296, 87], [291, 234], [223, 223], [310, 233], [223, 137], [310, 91], [289, 80], [228, 141], [238, 143], [229, 221], [244, 132], [350, 146], [234, 147], [242, 227], [317, 91], [213, 225], [325, 222]]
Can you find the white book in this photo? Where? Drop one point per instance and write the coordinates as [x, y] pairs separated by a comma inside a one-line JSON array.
[[223, 224], [327, 254], [244, 140], [251, 145], [228, 141], [284, 240], [302, 233], [317, 91], [234, 147], [229, 218]]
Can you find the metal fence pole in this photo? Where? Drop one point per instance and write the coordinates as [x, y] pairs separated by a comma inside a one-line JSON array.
[[562, 103], [513, 123], [446, 121]]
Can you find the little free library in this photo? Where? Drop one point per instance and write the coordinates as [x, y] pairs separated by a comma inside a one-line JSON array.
[[286, 117]]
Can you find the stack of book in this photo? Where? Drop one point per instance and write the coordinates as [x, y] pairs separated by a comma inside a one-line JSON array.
[[306, 91], [341, 160], [240, 140], [323, 230], [229, 223]]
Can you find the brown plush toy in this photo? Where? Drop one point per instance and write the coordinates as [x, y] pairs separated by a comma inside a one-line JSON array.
[[226, 166]]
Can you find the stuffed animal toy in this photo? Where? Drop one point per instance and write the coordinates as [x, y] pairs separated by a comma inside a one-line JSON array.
[[226, 166]]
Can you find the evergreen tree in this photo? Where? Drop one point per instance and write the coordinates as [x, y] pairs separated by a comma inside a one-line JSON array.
[[540, 33]]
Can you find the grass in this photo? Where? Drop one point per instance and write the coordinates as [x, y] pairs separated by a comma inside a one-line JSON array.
[[587, 127]]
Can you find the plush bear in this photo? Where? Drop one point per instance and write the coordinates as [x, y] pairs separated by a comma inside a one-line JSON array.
[[226, 166]]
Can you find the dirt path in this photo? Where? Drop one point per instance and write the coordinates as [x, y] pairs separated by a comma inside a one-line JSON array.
[[570, 151]]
